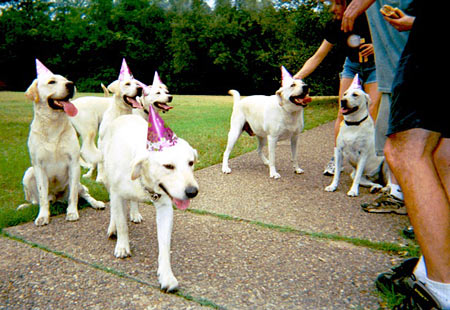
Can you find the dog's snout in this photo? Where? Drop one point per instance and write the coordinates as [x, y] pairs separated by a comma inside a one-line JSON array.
[[306, 88], [170, 98], [344, 103], [191, 191], [139, 91], [70, 86]]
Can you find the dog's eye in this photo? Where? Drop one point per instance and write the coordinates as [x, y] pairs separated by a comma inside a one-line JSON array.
[[355, 95], [169, 167], [191, 163], [52, 82]]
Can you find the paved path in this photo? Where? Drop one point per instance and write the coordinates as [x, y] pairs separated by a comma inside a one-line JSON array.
[[248, 242]]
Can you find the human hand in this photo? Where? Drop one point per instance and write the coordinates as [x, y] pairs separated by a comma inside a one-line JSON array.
[[366, 49], [402, 23]]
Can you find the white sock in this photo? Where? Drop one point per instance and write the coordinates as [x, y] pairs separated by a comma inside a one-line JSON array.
[[396, 191], [440, 290]]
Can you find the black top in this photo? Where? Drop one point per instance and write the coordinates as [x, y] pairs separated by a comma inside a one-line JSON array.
[[334, 35]]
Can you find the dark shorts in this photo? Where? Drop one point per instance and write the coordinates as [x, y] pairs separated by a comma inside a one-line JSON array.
[[416, 101]]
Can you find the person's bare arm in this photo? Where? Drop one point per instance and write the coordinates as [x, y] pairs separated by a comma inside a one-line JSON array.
[[354, 9], [314, 61]]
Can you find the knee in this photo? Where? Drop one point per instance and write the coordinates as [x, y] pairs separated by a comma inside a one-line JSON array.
[[441, 156], [392, 153]]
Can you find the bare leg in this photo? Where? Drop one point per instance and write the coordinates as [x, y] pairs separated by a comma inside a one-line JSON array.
[[410, 156]]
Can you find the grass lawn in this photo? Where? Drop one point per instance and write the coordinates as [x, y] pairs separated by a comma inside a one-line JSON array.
[[201, 120]]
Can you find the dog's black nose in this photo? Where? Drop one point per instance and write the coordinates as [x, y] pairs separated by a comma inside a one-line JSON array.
[[306, 88], [191, 191], [139, 91], [71, 88], [170, 98], [344, 103]]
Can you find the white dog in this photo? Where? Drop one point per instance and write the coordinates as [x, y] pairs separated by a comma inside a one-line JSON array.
[[86, 123], [124, 100], [270, 118], [356, 144], [156, 95], [54, 148], [133, 174]]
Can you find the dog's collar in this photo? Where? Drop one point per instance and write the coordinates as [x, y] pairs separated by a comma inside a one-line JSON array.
[[153, 195], [357, 123]]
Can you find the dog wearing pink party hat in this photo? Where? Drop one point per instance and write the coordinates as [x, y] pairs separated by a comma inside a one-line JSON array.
[[125, 91], [156, 95], [270, 118], [54, 148], [146, 162], [356, 143]]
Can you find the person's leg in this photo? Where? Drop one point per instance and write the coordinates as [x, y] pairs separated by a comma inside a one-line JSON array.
[[375, 96], [392, 201], [410, 156], [441, 159]]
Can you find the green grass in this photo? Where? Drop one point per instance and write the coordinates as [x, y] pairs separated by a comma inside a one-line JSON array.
[[201, 120]]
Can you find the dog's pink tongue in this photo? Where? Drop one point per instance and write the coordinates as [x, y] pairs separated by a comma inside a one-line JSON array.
[[69, 108], [181, 204], [134, 103]]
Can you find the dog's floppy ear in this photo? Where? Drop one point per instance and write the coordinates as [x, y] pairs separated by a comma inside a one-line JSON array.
[[114, 87], [32, 92], [279, 93], [137, 166], [368, 99]]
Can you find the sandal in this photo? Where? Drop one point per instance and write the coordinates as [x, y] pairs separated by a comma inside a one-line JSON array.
[[385, 203]]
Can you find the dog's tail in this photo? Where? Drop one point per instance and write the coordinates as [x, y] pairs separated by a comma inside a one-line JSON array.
[[235, 94], [105, 90], [89, 151]]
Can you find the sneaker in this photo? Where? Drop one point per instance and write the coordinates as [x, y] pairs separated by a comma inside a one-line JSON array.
[[394, 281], [418, 297], [401, 281], [385, 203], [329, 169]]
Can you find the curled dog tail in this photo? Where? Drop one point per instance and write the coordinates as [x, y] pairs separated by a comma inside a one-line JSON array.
[[235, 94], [105, 90], [89, 151]]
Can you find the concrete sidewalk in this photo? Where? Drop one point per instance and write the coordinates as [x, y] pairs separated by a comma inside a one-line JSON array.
[[248, 242]]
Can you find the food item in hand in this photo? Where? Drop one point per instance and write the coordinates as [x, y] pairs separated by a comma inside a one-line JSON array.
[[390, 11]]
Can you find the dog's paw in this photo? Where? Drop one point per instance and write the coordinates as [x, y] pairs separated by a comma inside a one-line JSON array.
[[112, 230], [352, 193], [122, 251], [330, 188], [136, 217], [275, 175], [299, 171], [72, 216], [99, 205], [41, 220], [226, 170], [168, 282]]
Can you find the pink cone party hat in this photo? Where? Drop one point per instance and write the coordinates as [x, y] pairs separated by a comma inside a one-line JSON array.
[[156, 80], [356, 83], [156, 83], [41, 70], [158, 136], [125, 71], [286, 77]]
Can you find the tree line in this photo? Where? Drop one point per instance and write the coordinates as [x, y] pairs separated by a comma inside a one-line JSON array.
[[196, 48]]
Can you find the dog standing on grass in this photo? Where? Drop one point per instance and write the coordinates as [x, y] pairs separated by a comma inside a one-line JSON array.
[[54, 148], [356, 144], [270, 118]]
